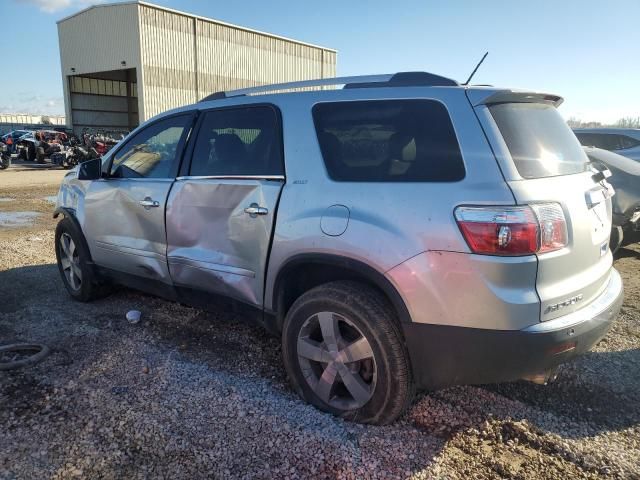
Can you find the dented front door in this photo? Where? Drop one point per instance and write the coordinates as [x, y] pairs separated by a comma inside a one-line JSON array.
[[125, 211], [125, 226]]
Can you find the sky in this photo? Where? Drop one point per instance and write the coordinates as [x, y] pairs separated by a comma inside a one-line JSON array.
[[586, 51]]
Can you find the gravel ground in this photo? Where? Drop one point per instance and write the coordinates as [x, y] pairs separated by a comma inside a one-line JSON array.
[[190, 394]]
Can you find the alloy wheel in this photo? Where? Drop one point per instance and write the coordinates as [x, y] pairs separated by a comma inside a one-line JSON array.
[[337, 361], [70, 261]]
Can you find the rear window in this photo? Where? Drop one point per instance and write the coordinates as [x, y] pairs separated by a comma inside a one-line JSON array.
[[388, 141], [540, 142]]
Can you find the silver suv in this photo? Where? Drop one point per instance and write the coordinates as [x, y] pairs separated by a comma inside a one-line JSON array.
[[401, 232]]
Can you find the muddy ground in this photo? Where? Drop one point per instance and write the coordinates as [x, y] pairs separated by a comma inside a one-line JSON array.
[[190, 394]]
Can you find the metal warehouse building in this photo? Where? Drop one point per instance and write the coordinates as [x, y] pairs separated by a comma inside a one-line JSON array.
[[126, 62]]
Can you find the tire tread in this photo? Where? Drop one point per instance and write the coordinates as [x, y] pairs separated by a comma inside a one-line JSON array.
[[354, 296]]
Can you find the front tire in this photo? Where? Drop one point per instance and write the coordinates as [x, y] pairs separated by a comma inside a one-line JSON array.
[[344, 353], [74, 263]]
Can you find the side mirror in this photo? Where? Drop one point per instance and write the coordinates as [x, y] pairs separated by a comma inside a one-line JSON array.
[[90, 170]]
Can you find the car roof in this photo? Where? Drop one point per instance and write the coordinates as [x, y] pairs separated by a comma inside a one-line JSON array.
[[15, 131], [481, 93], [391, 85], [633, 132]]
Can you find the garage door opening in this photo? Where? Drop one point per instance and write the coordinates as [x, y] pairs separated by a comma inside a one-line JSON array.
[[104, 102]]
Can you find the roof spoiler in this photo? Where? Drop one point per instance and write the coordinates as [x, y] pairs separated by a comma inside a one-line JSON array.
[[491, 97]]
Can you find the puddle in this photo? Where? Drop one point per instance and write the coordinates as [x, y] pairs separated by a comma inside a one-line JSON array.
[[17, 219], [6, 199], [51, 198]]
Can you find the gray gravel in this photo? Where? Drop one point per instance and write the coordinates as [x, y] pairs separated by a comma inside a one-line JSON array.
[[190, 394]]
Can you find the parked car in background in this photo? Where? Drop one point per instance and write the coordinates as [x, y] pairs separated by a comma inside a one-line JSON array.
[[36, 146], [11, 138], [15, 134], [624, 141], [625, 179], [402, 232]]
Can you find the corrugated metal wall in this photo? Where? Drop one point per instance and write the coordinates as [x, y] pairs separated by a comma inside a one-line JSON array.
[[180, 58], [168, 60], [98, 40], [231, 58], [186, 58]]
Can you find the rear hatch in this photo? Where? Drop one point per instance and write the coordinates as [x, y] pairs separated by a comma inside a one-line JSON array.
[[543, 162]]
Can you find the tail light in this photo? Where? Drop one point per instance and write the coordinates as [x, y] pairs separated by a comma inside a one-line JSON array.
[[522, 230]]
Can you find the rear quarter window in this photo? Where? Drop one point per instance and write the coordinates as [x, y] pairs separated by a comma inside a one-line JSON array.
[[539, 141], [388, 141]]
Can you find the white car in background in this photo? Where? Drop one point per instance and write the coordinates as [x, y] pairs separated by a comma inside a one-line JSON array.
[[623, 141]]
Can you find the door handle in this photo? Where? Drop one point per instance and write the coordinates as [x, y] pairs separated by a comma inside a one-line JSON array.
[[254, 210], [147, 203]]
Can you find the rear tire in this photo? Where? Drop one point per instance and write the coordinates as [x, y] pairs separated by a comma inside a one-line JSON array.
[[344, 353], [74, 263]]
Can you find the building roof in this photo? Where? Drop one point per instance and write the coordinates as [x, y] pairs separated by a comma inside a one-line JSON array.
[[190, 15]]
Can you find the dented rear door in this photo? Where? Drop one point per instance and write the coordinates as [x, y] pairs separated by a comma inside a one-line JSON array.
[[215, 243], [220, 216]]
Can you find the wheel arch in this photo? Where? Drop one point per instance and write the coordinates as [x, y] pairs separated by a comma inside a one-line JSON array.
[[305, 271], [70, 214]]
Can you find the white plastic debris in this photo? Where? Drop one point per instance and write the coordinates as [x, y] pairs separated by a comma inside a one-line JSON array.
[[133, 316]]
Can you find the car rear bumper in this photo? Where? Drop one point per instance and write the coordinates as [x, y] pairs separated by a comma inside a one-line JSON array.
[[443, 356]]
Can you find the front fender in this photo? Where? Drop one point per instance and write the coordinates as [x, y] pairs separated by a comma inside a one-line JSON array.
[[70, 213], [66, 212]]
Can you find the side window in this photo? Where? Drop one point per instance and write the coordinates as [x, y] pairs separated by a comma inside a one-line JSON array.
[[388, 141], [605, 141], [238, 141], [627, 142], [154, 152], [586, 139]]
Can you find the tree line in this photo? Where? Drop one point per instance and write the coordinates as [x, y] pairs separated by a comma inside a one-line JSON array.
[[624, 122]]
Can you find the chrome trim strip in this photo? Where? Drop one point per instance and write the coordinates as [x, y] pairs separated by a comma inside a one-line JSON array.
[[143, 180], [230, 177], [612, 291], [209, 266], [110, 247]]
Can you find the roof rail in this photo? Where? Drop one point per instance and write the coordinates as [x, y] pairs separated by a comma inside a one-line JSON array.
[[401, 79]]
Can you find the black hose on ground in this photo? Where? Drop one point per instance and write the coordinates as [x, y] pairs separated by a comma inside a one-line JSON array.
[[40, 352]]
